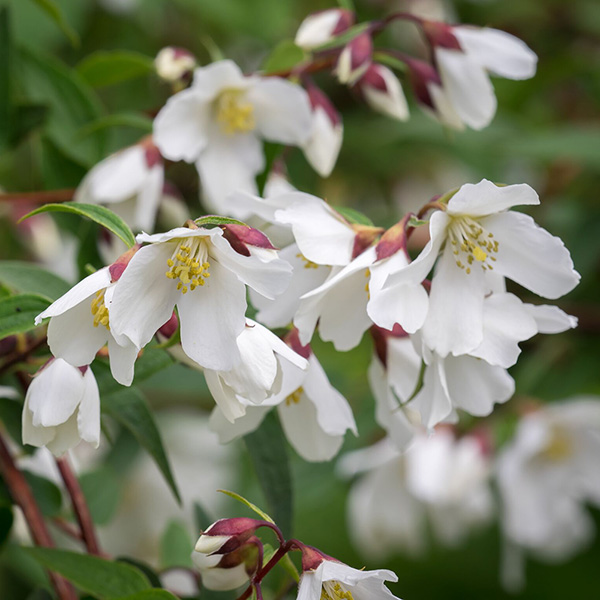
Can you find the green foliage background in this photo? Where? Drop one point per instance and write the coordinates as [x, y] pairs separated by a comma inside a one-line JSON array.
[[66, 102]]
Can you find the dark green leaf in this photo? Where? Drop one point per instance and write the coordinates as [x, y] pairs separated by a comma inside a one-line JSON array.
[[268, 450], [17, 313], [40, 594], [5, 78], [284, 56], [27, 117], [118, 120], [28, 278], [103, 578], [11, 412], [55, 13], [353, 216], [6, 522], [176, 546], [107, 68], [129, 407], [101, 215], [47, 494], [102, 493], [261, 513], [58, 169], [151, 595]]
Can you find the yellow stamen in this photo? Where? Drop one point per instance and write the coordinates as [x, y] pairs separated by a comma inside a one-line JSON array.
[[99, 310], [333, 590], [559, 446], [233, 113], [474, 242], [189, 264], [294, 397], [308, 264]]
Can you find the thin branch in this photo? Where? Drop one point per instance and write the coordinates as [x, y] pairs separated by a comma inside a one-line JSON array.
[[40, 197], [23, 497], [22, 356]]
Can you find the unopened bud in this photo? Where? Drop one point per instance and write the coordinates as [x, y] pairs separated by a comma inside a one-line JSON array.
[[118, 267], [229, 571], [383, 92], [242, 236], [227, 535], [354, 60], [174, 65], [321, 27]]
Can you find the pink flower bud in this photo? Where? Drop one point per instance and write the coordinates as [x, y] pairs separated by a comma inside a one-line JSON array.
[[118, 267], [226, 535], [383, 92], [242, 236], [320, 27], [354, 59]]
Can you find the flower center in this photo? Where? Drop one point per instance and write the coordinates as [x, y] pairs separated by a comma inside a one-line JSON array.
[[308, 264], [294, 397], [233, 113], [559, 446], [333, 590], [99, 310], [471, 243], [189, 263]]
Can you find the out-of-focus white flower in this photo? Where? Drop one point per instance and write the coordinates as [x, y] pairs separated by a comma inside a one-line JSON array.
[[439, 480], [354, 59], [200, 272], [383, 92], [130, 181], [224, 573], [323, 146], [313, 414], [62, 407], [174, 64], [80, 324], [219, 122], [546, 475], [477, 238], [320, 27], [464, 56]]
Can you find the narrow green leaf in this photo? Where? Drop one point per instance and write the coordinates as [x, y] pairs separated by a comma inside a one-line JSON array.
[[354, 216], [151, 595], [214, 52], [268, 449], [216, 220], [414, 222], [47, 493], [249, 504], [102, 493], [55, 13], [99, 214], [104, 68], [390, 61], [129, 407], [28, 278], [102, 578], [176, 546], [134, 120], [284, 56], [27, 117], [344, 38], [17, 313]]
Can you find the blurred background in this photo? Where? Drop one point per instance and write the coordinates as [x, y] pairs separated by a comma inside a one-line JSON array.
[[546, 133]]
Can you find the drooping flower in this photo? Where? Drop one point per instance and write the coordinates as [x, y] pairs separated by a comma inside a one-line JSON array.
[[80, 323], [219, 122], [383, 92], [320, 27], [62, 407], [478, 238], [130, 182], [204, 272]]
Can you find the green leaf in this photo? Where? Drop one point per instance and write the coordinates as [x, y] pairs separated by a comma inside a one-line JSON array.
[[151, 595], [99, 214], [176, 546], [11, 414], [249, 504], [268, 451], [390, 61], [104, 68], [28, 278], [134, 120], [102, 578], [353, 216], [6, 522], [5, 78], [55, 13], [130, 409], [102, 493], [47, 494], [27, 117], [17, 313], [284, 56], [344, 38], [216, 220]]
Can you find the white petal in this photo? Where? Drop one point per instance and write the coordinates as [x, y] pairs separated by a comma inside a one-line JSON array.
[[392, 102], [433, 399], [486, 198], [531, 256], [403, 366], [34, 436], [281, 110], [317, 29], [443, 110], [229, 431], [322, 235], [88, 416], [468, 87], [323, 146], [181, 126], [149, 196], [66, 436], [227, 402], [144, 297], [212, 317], [122, 359], [550, 319], [499, 52], [218, 76]]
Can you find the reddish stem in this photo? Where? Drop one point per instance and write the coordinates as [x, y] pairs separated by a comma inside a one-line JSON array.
[[80, 507], [40, 197], [23, 497]]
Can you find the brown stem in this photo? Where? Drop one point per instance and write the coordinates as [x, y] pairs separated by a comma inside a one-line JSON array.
[[23, 497], [80, 507], [22, 356], [40, 197], [67, 528]]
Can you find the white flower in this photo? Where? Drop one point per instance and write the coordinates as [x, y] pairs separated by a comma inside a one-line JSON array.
[[62, 407], [130, 181], [313, 415], [80, 325], [383, 92], [320, 27], [219, 121], [547, 474], [477, 238], [354, 59], [465, 55], [333, 580], [258, 376], [218, 577], [173, 64], [198, 271]]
